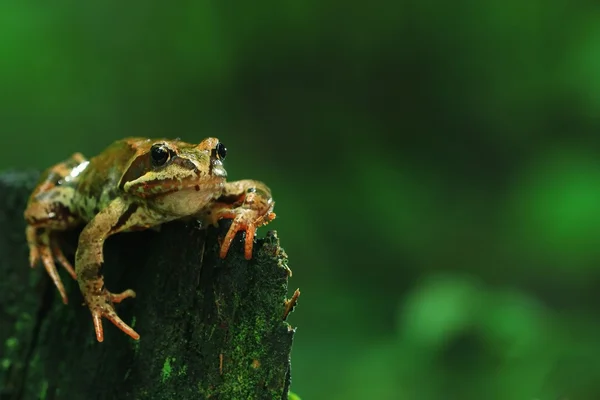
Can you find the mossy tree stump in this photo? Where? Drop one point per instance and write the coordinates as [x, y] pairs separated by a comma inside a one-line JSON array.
[[210, 328]]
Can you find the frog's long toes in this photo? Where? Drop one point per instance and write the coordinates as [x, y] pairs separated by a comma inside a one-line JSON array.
[[239, 224], [34, 254], [44, 247], [226, 244], [114, 318], [97, 318], [250, 232], [60, 257], [119, 297], [34, 257], [101, 307], [110, 314], [48, 261]]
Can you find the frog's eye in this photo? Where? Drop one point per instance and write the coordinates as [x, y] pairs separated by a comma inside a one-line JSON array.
[[221, 151], [159, 154]]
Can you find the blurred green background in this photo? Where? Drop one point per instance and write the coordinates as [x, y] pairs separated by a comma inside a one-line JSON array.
[[436, 168]]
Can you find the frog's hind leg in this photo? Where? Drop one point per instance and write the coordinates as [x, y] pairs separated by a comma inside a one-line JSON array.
[[47, 214], [43, 246]]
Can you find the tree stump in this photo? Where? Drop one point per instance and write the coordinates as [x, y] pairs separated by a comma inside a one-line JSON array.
[[210, 328]]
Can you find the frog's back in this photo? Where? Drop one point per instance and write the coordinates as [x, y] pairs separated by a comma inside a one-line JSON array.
[[98, 184], [51, 202]]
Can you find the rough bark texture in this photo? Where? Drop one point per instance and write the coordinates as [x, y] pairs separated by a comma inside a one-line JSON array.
[[210, 328]]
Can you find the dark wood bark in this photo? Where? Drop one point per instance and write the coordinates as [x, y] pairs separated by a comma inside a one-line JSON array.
[[210, 328]]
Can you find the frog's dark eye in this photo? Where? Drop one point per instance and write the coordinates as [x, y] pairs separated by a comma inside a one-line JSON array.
[[221, 151], [159, 154]]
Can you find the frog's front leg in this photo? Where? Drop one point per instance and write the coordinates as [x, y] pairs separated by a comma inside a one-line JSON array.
[[250, 205], [88, 259]]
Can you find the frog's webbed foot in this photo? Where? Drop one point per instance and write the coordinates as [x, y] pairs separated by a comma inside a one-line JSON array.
[[101, 305], [43, 245]]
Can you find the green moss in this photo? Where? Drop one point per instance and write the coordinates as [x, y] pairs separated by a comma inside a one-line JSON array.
[[205, 393], [182, 371], [247, 352], [259, 327], [166, 369]]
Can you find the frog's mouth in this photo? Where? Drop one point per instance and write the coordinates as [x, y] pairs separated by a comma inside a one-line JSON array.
[[166, 187], [197, 185]]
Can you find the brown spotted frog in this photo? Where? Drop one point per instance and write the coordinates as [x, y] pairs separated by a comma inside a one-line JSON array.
[[135, 184]]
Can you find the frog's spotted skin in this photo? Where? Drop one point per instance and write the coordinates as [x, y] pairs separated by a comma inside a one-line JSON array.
[[136, 183]]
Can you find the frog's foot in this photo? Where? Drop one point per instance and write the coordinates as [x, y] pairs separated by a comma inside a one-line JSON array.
[[44, 246], [102, 306], [244, 220]]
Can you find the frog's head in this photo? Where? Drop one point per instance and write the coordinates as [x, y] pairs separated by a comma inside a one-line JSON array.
[[179, 171]]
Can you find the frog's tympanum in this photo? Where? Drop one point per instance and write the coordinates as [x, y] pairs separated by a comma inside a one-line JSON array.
[[136, 183]]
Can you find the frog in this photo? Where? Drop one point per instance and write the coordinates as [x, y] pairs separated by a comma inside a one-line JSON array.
[[136, 183]]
